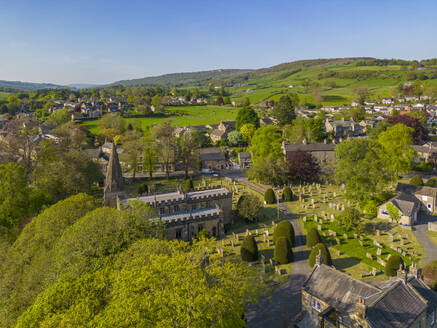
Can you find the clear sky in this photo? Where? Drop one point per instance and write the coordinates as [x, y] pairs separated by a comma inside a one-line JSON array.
[[93, 41]]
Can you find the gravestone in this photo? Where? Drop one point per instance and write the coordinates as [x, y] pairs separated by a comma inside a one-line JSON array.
[[378, 232], [355, 235], [345, 236], [337, 241], [361, 238], [370, 256], [390, 238], [361, 243], [374, 271], [379, 251], [319, 227]]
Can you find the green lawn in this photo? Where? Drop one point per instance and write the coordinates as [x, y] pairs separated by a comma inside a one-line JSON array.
[[432, 235], [4, 94], [181, 116]]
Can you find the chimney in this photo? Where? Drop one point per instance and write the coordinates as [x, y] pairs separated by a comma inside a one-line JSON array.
[[413, 270], [342, 119], [361, 307], [319, 259], [402, 274]]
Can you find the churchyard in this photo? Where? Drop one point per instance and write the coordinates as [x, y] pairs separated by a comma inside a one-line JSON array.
[[362, 254], [229, 246]]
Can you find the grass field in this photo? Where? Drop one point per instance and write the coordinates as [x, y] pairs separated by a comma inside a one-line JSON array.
[[4, 94], [180, 115]]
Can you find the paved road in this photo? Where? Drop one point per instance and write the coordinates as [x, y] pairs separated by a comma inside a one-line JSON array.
[[285, 302], [430, 247]]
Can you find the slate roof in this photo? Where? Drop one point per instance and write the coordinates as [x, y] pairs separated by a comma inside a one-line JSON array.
[[217, 133], [336, 288], [211, 154], [193, 215], [310, 147], [394, 304], [397, 307], [406, 203], [419, 190]]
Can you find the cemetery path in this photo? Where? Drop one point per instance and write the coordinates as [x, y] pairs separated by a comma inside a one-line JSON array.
[[279, 308], [430, 247]]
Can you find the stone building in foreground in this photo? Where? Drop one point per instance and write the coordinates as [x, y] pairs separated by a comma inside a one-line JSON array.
[[332, 299], [185, 213]]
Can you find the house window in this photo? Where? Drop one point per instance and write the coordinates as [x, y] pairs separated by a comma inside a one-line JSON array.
[[425, 198], [179, 234], [199, 227], [429, 206], [384, 212], [432, 318], [161, 210], [313, 304], [176, 208], [318, 306]]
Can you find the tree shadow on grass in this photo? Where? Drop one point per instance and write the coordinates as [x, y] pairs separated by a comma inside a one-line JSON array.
[[345, 262]]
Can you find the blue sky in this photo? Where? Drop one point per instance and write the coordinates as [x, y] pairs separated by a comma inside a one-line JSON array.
[[103, 41]]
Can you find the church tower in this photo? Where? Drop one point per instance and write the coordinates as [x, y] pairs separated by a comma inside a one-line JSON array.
[[114, 183]]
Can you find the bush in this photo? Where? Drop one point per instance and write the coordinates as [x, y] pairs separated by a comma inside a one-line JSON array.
[[284, 229], [203, 234], [249, 206], [287, 194], [432, 182], [430, 274], [313, 238], [416, 180], [283, 252], [326, 256], [392, 265], [189, 185], [143, 188], [249, 249], [269, 196]]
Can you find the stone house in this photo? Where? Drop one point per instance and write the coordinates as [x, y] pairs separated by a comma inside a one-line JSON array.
[[212, 158], [427, 196], [332, 299], [244, 160], [408, 206], [343, 128], [218, 135], [323, 152]]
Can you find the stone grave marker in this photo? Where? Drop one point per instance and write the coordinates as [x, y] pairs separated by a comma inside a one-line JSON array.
[[379, 251], [355, 235], [337, 241], [345, 236], [369, 256], [361, 243], [319, 227]]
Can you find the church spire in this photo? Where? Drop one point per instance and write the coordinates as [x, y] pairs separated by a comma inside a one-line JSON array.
[[114, 184]]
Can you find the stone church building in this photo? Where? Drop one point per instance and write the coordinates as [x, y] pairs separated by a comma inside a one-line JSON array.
[[185, 213]]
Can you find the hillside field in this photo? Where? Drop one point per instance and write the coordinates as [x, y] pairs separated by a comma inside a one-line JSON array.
[[180, 115]]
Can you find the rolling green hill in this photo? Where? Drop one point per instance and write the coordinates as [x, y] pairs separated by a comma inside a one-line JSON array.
[[183, 79], [337, 77], [28, 86]]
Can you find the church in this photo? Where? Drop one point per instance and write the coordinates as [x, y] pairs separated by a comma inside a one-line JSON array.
[[185, 213]]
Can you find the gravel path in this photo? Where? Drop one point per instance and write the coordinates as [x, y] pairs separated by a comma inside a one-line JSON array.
[[285, 302], [430, 247]]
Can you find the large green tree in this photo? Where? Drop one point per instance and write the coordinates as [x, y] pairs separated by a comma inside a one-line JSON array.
[[283, 110], [14, 195], [361, 168], [154, 283], [266, 142], [246, 115]]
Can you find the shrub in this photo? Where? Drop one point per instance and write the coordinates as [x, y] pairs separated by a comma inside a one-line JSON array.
[[430, 274], [313, 238], [269, 196], [287, 194], [249, 206], [203, 234], [416, 180], [284, 229], [283, 252], [326, 256], [143, 188], [189, 185], [432, 182], [249, 249], [392, 265]]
